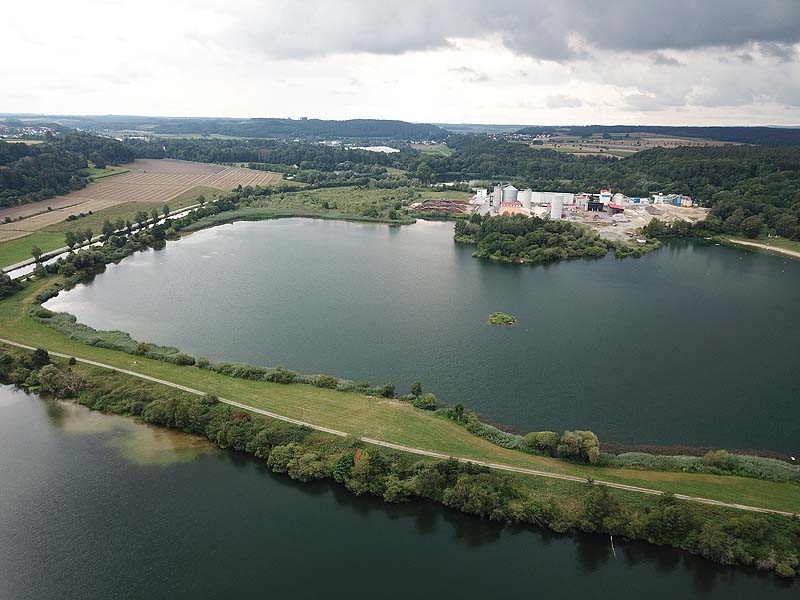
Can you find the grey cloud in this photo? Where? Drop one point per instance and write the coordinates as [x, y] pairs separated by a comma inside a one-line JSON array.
[[782, 52], [659, 58], [538, 28], [562, 101]]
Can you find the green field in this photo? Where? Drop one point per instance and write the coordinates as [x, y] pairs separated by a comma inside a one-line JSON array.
[[14, 251], [383, 419], [589, 150], [346, 202], [95, 173], [433, 149]]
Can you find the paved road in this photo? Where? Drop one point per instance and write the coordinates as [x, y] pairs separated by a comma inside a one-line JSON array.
[[48, 256], [499, 467]]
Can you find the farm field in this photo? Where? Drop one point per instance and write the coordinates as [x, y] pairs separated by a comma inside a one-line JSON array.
[[437, 149], [618, 146], [142, 185]]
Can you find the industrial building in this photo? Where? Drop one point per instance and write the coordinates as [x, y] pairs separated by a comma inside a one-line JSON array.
[[507, 199]]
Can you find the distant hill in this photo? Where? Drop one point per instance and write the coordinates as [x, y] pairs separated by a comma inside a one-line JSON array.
[[781, 136], [354, 128], [373, 129]]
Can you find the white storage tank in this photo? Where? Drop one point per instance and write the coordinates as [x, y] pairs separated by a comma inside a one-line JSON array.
[[497, 198], [510, 193], [525, 197], [556, 206]]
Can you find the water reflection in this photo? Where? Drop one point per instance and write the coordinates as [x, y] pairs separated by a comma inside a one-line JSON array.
[[78, 513], [136, 442]]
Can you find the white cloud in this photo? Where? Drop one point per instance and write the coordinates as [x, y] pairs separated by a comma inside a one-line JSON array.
[[636, 61]]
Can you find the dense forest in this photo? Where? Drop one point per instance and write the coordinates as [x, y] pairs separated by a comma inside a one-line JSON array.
[[753, 190], [40, 171], [271, 152], [743, 135], [305, 128]]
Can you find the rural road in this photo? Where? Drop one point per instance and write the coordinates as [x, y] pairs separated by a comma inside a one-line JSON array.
[[178, 212], [496, 466]]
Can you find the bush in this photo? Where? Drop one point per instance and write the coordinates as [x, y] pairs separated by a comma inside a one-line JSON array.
[[577, 445], [492, 433], [425, 402], [721, 459], [545, 442]]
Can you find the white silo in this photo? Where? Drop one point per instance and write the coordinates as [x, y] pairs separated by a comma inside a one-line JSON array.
[[510, 193], [556, 206], [498, 195], [525, 197]]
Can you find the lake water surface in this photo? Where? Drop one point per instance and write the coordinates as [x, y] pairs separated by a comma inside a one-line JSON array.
[[693, 344], [82, 518]]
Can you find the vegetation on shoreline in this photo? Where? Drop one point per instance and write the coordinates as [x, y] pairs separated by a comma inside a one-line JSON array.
[[766, 542], [500, 318], [521, 239]]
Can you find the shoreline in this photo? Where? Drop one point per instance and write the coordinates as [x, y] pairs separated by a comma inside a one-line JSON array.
[[770, 249]]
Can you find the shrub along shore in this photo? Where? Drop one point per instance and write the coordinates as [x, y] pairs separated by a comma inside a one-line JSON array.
[[477, 494]]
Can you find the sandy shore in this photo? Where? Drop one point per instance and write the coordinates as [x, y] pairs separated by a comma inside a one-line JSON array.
[[778, 249]]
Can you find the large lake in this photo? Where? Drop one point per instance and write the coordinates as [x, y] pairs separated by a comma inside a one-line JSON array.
[[95, 507], [693, 344]]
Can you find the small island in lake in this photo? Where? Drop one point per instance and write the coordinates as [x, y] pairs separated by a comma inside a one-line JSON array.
[[499, 318]]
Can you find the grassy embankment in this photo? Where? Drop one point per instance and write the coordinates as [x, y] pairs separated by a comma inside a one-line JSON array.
[[382, 419], [52, 237], [339, 203]]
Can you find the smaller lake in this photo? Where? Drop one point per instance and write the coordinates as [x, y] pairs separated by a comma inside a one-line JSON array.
[[692, 344], [95, 507]]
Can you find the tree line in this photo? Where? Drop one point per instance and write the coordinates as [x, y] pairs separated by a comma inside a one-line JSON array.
[[57, 166]]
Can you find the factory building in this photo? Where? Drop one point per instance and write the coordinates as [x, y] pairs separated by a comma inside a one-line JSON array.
[[544, 198]]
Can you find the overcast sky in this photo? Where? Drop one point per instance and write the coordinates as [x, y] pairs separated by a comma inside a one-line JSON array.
[[476, 61]]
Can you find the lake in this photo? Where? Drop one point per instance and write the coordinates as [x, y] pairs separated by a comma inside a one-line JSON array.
[[96, 506], [692, 344]]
